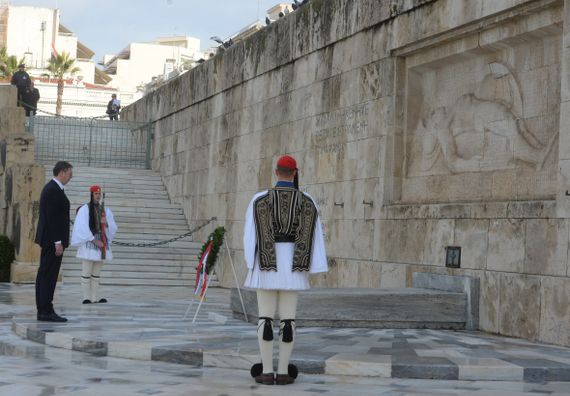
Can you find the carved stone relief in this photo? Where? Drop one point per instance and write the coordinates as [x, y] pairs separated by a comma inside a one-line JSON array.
[[471, 117]]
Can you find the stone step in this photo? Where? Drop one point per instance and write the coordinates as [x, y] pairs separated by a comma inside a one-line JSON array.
[[141, 256], [371, 308], [158, 264], [140, 227], [136, 271], [144, 214], [135, 204], [129, 250], [141, 282], [134, 210], [154, 235], [117, 272]]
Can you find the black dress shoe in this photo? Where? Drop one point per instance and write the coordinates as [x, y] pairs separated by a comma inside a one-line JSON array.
[[52, 317], [103, 300], [265, 379], [284, 379], [86, 301]]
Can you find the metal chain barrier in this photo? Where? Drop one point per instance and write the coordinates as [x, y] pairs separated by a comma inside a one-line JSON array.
[[150, 244], [165, 241]]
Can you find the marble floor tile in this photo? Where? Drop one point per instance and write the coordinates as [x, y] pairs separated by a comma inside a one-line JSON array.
[[148, 320]]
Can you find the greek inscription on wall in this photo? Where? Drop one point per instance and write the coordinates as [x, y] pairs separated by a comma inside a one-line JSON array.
[[333, 130]]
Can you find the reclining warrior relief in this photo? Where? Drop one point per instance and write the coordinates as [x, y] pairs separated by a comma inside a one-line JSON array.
[[483, 130]]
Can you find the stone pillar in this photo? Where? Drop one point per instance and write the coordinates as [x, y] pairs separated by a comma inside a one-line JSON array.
[[563, 200], [21, 181]]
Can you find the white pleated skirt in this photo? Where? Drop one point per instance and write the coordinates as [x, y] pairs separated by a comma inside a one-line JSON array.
[[282, 279]]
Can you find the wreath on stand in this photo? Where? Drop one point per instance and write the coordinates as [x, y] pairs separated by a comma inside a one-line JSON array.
[[207, 260]]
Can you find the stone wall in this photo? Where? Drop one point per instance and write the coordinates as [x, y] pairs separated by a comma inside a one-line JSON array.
[[417, 125], [21, 181]]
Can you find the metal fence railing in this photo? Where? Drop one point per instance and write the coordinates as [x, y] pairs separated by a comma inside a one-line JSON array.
[[92, 142]]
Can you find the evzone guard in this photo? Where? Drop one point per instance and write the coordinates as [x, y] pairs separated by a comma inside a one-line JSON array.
[[283, 245], [93, 231]]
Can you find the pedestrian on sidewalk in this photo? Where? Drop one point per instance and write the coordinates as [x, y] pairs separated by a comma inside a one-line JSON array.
[[21, 79], [31, 97], [52, 235], [113, 108], [93, 231], [283, 244]]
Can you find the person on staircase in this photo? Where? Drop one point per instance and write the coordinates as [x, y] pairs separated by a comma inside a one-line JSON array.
[[283, 243], [93, 231]]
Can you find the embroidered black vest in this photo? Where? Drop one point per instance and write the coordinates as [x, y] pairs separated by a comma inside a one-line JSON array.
[[284, 215]]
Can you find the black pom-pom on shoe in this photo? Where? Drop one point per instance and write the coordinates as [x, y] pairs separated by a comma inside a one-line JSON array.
[[293, 371], [256, 370]]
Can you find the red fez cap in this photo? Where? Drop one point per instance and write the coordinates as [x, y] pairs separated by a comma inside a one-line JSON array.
[[95, 188], [287, 162]]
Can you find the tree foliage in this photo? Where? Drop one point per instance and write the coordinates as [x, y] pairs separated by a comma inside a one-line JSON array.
[[59, 66]]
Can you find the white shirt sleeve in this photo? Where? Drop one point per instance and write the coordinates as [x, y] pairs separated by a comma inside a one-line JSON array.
[[249, 236], [319, 254], [111, 229], [81, 232]]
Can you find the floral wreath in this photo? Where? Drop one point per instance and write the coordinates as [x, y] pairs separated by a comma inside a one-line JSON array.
[[207, 260], [212, 247]]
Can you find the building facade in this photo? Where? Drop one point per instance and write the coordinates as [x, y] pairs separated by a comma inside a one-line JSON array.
[[418, 127]]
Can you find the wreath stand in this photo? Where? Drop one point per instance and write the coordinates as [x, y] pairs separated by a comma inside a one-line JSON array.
[[206, 290]]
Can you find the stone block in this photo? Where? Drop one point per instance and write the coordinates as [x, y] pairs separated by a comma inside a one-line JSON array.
[[23, 272], [400, 240], [17, 148], [393, 275], [439, 234], [546, 247], [472, 236], [519, 309], [489, 303], [21, 229], [12, 121], [555, 310], [506, 245], [8, 96], [457, 284], [373, 308]]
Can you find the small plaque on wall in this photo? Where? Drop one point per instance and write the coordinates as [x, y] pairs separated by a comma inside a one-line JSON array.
[[453, 256]]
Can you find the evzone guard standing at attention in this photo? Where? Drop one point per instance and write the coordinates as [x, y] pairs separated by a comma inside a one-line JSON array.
[[283, 244], [93, 231]]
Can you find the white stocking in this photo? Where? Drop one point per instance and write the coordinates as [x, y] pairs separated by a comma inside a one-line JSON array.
[[287, 311], [95, 272], [266, 304], [86, 266]]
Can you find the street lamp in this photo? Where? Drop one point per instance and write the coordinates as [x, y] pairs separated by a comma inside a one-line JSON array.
[[43, 30]]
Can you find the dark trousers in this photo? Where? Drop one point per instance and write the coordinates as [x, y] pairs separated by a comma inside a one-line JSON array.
[[47, 279]]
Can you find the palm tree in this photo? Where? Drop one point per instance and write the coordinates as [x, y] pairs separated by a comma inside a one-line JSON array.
[[59, 66], [8, 64]]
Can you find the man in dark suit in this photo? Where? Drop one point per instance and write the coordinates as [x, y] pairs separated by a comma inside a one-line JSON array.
[[53, 236]]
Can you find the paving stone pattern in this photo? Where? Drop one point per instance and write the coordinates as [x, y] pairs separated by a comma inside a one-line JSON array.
[[147, 325]]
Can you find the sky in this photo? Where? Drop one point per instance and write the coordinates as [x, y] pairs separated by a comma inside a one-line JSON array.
[[106, 27]]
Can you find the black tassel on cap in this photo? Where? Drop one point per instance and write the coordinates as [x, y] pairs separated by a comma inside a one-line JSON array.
[[296, 179]]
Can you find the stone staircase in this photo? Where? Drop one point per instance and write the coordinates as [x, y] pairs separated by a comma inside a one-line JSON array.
[[143, 213]]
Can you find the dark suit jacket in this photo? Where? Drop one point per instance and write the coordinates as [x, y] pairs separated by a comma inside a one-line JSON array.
[[53, 224]]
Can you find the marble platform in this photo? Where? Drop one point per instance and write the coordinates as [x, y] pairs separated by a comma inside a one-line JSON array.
[[403, 308], [146, 324]]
